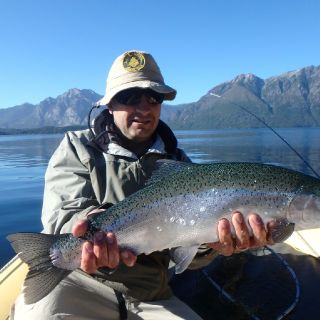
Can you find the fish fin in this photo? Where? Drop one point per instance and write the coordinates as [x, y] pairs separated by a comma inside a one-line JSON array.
[[281, 229], [38, 284], [183, 256], [165, 167], [43, 276]]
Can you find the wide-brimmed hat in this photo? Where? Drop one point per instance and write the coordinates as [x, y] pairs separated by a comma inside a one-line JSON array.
[[135, 69]]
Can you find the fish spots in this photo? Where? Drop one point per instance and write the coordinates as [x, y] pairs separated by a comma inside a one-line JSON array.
[[202, 209]]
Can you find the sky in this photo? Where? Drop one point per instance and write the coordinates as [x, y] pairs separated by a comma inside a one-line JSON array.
[[48, 47]]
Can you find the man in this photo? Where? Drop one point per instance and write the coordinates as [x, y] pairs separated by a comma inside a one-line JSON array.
[[102, 167]]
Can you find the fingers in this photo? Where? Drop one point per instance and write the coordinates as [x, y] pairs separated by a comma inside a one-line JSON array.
[[225, 244], [259, 234], [106, 249], [128, 258], [80, 228], [242, 237], [104, 252], [88, 259], [271, 225]]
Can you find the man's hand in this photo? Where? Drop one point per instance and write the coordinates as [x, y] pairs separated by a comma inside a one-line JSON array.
[[103, 252], [243, 239]]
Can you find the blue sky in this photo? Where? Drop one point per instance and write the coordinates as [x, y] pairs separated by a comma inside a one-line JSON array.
[[48, 47]]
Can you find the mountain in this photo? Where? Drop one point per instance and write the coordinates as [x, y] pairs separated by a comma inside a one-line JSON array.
[[288, 100], [69, 109]]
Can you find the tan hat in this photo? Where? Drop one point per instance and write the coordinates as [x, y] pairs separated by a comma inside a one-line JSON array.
[[135, 69]]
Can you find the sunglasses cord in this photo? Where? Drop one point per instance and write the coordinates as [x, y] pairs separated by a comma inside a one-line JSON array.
[[94, 106]]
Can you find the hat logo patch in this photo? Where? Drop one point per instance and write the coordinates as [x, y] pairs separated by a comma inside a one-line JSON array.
[[133, 61]]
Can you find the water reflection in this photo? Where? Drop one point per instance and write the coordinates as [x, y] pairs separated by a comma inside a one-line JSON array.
[[27, 150], [23, 160], [254, 145]]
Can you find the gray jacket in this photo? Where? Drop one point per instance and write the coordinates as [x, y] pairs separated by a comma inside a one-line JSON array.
[[84, 173]]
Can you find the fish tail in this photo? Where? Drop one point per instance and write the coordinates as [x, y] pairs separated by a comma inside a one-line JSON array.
[[43, 276]]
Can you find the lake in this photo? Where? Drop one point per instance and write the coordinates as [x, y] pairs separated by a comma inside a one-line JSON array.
[[23, 161]]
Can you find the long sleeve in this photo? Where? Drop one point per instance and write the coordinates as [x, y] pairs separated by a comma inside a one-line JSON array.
[[68, 192]]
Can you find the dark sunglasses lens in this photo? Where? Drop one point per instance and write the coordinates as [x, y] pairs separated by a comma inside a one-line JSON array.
[[133, 96], [128, 97], [154, 97]]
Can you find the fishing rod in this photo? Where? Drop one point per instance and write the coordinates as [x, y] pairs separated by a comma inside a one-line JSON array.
[[273, 130]]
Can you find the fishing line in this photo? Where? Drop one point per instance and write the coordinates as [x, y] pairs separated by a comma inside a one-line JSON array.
[[245, 307], [274, 131], [296, 281]]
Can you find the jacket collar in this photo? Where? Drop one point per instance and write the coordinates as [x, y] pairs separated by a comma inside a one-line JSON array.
[[109, 141]]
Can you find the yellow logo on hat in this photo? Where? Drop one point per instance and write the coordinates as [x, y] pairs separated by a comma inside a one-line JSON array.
[[133, 61]]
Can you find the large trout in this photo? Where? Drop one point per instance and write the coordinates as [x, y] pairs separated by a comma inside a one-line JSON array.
[[179, 208]]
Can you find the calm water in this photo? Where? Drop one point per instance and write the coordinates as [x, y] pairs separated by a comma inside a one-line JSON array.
[[23, 160]]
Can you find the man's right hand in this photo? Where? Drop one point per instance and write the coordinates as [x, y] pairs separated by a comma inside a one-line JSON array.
[[103, 252]]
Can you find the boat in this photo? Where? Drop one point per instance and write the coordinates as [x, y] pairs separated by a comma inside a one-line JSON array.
[[12, 276], [14, 272]]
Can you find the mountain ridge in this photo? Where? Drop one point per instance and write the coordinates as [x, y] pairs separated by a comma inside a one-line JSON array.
[[291, 99]]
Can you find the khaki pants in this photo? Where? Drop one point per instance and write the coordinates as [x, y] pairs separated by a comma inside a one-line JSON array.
[[79, 297]]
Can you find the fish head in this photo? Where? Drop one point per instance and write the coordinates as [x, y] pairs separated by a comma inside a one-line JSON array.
[[304, 211]]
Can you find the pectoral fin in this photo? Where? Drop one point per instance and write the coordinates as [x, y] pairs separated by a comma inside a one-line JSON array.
[[183, 256], [281, 229]]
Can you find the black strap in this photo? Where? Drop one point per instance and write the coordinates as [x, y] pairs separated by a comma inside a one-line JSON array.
[[122, 305]]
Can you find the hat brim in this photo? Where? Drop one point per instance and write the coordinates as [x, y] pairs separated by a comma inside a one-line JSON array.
[[169, 93]]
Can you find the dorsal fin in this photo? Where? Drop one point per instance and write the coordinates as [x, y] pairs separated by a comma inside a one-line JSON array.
[[165, 168]]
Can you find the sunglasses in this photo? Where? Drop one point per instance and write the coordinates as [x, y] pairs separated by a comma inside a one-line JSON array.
[[132, 97]]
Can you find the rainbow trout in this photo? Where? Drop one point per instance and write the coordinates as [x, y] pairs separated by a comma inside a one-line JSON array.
[[178, 208]]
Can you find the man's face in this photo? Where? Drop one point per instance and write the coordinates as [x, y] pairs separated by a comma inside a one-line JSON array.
[[138, 120]]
